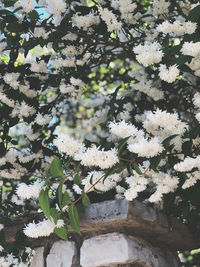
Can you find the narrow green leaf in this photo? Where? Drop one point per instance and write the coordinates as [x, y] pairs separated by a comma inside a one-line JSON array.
[[136, 168], [62, 232], [110, 171], [166, 142], [74, 219], [155, 162], [85, 199], [33, 15], [44, 202], [122, 144], [66, 200], [56, 168], [59, 193], [77, 179], [130, 169], [194, 14], [54, 214]]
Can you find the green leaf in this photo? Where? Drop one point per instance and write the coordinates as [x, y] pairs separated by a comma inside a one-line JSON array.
[[54, 214], [62, 232], [33, 15], [8, 3], [187, 148], [130, 169], [110, 171], [194, 14], [66, 200], [59, 193], [155, 162], [136, 168], [166, 142], [182, 60], [122, 144], [85, 199], [16, 27], [74, 219], [77, 179], [56, 168], [44, 202]]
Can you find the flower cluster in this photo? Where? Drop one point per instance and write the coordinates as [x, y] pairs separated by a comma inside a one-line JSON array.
[[97, 96]]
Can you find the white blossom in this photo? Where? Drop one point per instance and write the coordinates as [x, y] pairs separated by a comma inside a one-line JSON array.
[[136, 184], [165, 183], [100, 158], [43, 228], [68, 145], [146, 148], [187, 164], [110, 19], [196, 100], [56, 7], [25, 191], [122, 129], [168, 74], [27, 5], [177, 27], [103, 184], [164, 124], [43, 119], [149, 53], [191, 49], [160, 7]]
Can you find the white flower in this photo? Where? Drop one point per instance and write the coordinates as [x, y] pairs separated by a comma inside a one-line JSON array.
[[27, 5], [165, 184], [149, 53], [56, 7], [95, 157], [102, 185], [198, 116], [85, 22], [177, 27], [187, 164], [168, 74], [60, 223], [122, 129], [40, 66], [147, 88], [160, 7], [11, 79], [196, 100], [136, 184], [77, 189], [1, 226], [164, 124], [18, 201], [42, 119], [68, 145], [191, 49], [146, 148], [110, 19], [43, 228], [77, 82], [25, 191]]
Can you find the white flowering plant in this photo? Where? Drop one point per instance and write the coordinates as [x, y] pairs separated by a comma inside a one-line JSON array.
[[98, 100]]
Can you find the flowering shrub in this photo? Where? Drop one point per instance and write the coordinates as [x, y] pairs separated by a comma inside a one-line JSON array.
[[97, 96]]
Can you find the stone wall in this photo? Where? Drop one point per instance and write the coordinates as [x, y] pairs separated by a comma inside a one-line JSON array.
[[115, 233], [114, 249]]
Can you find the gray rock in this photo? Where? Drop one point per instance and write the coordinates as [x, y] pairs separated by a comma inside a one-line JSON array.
[[38, 259], [61, 254], [118, 249]]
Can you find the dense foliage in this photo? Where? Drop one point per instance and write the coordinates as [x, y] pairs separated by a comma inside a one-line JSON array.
[[98, 100]]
